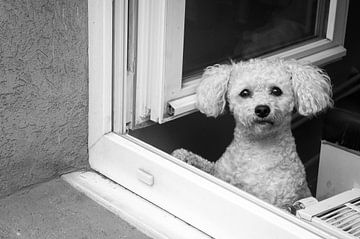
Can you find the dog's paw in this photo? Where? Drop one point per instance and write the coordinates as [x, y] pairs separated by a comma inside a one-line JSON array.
[[194, 160], [182, 154]]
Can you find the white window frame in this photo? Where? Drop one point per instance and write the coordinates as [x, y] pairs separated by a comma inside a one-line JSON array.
[[208, 204], [160, 49]]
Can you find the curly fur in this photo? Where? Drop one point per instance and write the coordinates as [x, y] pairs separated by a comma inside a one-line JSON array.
[[262, 157]]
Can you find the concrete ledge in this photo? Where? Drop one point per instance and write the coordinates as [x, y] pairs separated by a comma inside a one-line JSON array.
[[144, 215], [55, 210]]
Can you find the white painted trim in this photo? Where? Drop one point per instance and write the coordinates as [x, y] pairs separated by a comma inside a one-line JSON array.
[[159, 56], [304, 51], [120, 84], [100, 68], [205, 202], [146, 217], [150, 55], [338, 36], [331, 20], [182, 105], [324, 57], [174, 49]]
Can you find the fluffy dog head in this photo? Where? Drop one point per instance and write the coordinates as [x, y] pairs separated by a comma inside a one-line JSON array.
[[262, 94]]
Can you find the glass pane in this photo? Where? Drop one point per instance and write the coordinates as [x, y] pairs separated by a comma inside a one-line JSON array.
[[219, 30]]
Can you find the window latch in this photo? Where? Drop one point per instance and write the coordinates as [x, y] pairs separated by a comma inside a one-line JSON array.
[[145, 177]]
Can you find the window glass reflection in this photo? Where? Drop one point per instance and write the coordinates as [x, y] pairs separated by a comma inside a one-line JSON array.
[[218, 30]]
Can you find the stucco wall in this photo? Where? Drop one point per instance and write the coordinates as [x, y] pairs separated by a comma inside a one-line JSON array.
[[43, 90]]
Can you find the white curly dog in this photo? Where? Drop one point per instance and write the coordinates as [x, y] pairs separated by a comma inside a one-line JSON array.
[[262, 95]]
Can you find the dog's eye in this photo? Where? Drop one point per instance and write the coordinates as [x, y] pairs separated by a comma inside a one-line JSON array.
[[245, 93], [276, 91]]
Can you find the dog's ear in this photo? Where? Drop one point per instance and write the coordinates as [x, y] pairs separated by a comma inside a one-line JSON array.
[[312, 88], [211, 93]]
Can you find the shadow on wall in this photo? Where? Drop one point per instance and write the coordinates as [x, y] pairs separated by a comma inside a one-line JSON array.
[[43, 90]]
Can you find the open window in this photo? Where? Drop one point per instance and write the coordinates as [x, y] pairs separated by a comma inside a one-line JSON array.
[[143, 68], [177, 39]]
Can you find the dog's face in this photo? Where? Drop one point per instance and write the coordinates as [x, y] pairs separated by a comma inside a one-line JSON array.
[[261, 99], [263, 93]]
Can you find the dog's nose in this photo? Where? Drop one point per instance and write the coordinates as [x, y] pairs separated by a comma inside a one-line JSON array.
[[262, 111]]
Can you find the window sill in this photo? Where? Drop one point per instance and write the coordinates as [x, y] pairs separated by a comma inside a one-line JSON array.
[[145, 216]]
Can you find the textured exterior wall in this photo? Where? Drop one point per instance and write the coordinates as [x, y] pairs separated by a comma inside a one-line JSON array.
[[43, 90]]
